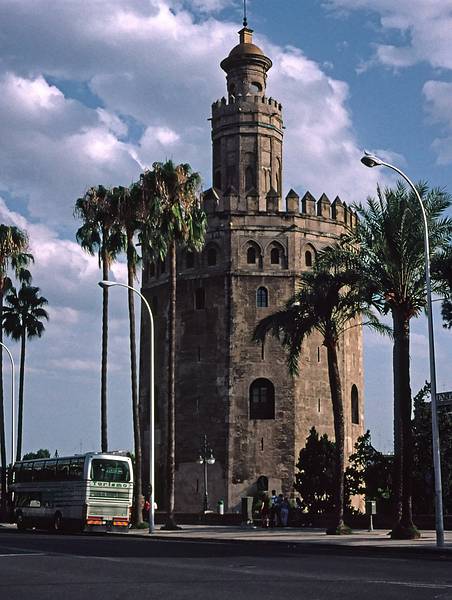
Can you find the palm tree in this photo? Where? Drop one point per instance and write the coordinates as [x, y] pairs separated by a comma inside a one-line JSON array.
[[390, 257], [14, 255], [329, 302], [130, 210], [22, 320], [100, 234], [171, 195], [442, 274]]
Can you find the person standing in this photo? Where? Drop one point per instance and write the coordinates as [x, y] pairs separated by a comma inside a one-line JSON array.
[[284, 512], [273, 501]]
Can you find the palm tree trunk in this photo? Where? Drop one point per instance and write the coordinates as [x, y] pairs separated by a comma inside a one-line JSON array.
[[2, 410], [399, 356], [21, 395], [138, 518], [103, 377], [171, 450], [334, 378], [404, 526]]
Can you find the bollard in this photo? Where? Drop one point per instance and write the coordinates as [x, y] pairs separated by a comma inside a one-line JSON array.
[[371, 509]]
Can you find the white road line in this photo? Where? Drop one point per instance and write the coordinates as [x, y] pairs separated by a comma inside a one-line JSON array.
[[22, 554]]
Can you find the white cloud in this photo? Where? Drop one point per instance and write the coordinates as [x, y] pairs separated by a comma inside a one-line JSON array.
[[53, 148], [211, 5], [437, 95], [426, 25]]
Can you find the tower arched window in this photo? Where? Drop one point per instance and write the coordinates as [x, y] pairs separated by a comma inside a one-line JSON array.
[[275, 257], [251, 255], [200, 298], [308, 258], [262, 399], [355, 405], [262, 297], [249, 178], [211, 257]]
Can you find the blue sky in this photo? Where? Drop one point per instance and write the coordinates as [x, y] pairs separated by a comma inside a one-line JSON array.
[[93, 92]]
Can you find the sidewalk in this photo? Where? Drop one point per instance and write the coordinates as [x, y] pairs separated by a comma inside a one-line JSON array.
[[377, 541], [304, 537]]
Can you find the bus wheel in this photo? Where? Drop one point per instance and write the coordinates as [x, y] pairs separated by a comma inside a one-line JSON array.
[[20, 522], [57, 523]]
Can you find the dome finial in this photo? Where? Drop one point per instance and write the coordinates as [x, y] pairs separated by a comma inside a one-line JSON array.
[[245, 20]]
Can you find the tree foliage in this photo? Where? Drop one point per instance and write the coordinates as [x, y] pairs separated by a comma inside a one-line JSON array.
[[370, 474], [41, 453], [175, 220], [23, 318], [315, 478], [442, 275], [423, 476]]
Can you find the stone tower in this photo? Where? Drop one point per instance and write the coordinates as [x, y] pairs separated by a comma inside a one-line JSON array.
[[239, 393]]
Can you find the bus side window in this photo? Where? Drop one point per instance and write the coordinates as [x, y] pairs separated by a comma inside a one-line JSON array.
[[37, 471], [49, 470], [26, 472], [76, 468], [62, 470]]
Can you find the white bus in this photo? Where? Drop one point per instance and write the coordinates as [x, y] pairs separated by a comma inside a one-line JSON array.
[[89, 492]]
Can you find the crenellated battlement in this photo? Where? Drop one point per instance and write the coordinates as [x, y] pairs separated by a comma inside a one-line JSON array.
[[219, 105], [216, 202]]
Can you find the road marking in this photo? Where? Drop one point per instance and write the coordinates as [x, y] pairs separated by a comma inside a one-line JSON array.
[[22, 554]]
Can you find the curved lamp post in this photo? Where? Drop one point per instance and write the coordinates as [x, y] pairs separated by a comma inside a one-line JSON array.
[[370, 160], [108, 284], [206, 457], [13, 402]]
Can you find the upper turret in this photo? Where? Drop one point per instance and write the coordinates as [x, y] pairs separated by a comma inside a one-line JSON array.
[[247, 129], [246, 67]]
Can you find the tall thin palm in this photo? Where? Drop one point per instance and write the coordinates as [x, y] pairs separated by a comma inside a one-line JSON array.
[[328, 302], [15, 257], [390, 256], [171, 196], [23, 318], [129, 209], [100, 234]]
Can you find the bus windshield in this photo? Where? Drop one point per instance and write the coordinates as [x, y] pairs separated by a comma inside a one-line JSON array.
[[103, 469]]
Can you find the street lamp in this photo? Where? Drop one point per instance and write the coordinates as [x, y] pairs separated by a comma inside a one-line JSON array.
[[108, 284], [206, 457], [370, 160]]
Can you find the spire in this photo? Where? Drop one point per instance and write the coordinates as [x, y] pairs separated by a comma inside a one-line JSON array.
[[245, 20]]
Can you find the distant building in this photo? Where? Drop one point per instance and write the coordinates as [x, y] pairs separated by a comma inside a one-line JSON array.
[[240, 394]]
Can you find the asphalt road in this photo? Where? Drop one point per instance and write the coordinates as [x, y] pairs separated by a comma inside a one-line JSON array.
[[39, 566]]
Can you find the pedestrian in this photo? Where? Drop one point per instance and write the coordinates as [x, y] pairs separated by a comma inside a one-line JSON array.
[[273, 500], [284, 511], [146, 509], [265, 511], [278, 505]]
